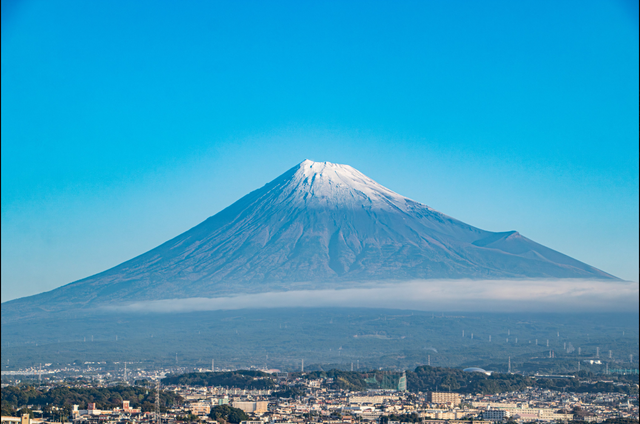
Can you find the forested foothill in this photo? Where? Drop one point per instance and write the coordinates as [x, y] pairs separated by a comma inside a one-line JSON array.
[[241, 379], [426, 379], [44, 399]]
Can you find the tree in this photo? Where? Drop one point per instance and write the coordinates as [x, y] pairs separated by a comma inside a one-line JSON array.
[[228, 414]]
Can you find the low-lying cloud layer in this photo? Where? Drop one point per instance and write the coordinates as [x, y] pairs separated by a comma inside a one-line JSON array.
[[568, 295]]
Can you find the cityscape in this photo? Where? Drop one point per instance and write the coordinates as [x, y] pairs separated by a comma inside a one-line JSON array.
[[179, 395]]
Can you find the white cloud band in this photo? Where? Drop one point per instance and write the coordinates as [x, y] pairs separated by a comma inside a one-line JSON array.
[[568, 295]]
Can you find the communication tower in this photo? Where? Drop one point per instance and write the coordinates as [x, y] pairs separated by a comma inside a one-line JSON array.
[[509, 365]]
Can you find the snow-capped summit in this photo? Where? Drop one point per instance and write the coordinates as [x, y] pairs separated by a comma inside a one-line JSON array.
[[318, 225], [326, 184]]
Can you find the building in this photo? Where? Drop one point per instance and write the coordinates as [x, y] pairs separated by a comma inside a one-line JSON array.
[[199, 408], [248, 407], [372, 399], [444, 397], [24, 419], [495, 415]]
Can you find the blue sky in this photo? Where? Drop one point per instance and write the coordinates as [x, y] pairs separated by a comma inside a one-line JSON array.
[[126, 123]]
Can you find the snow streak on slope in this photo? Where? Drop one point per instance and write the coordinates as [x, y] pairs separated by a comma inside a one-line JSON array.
[[318, 226]]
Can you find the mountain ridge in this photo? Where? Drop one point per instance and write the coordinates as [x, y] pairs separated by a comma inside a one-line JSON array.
[[317, 225]]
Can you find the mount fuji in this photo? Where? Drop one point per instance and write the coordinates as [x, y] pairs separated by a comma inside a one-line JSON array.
[[319, 225]]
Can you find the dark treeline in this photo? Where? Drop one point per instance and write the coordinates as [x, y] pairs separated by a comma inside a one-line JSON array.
[[241, 379], [426, 379], [422, 379], [15, 397]]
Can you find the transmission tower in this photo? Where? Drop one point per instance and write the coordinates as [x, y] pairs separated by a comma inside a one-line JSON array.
[[158, 401]]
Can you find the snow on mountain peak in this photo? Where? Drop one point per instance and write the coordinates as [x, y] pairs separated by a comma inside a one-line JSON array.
[[331, 183]]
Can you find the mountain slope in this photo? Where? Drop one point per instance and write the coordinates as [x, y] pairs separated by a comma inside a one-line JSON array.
[[318, 225]]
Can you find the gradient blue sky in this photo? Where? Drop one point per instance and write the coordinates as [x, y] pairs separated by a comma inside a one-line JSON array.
[[126, 123]]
